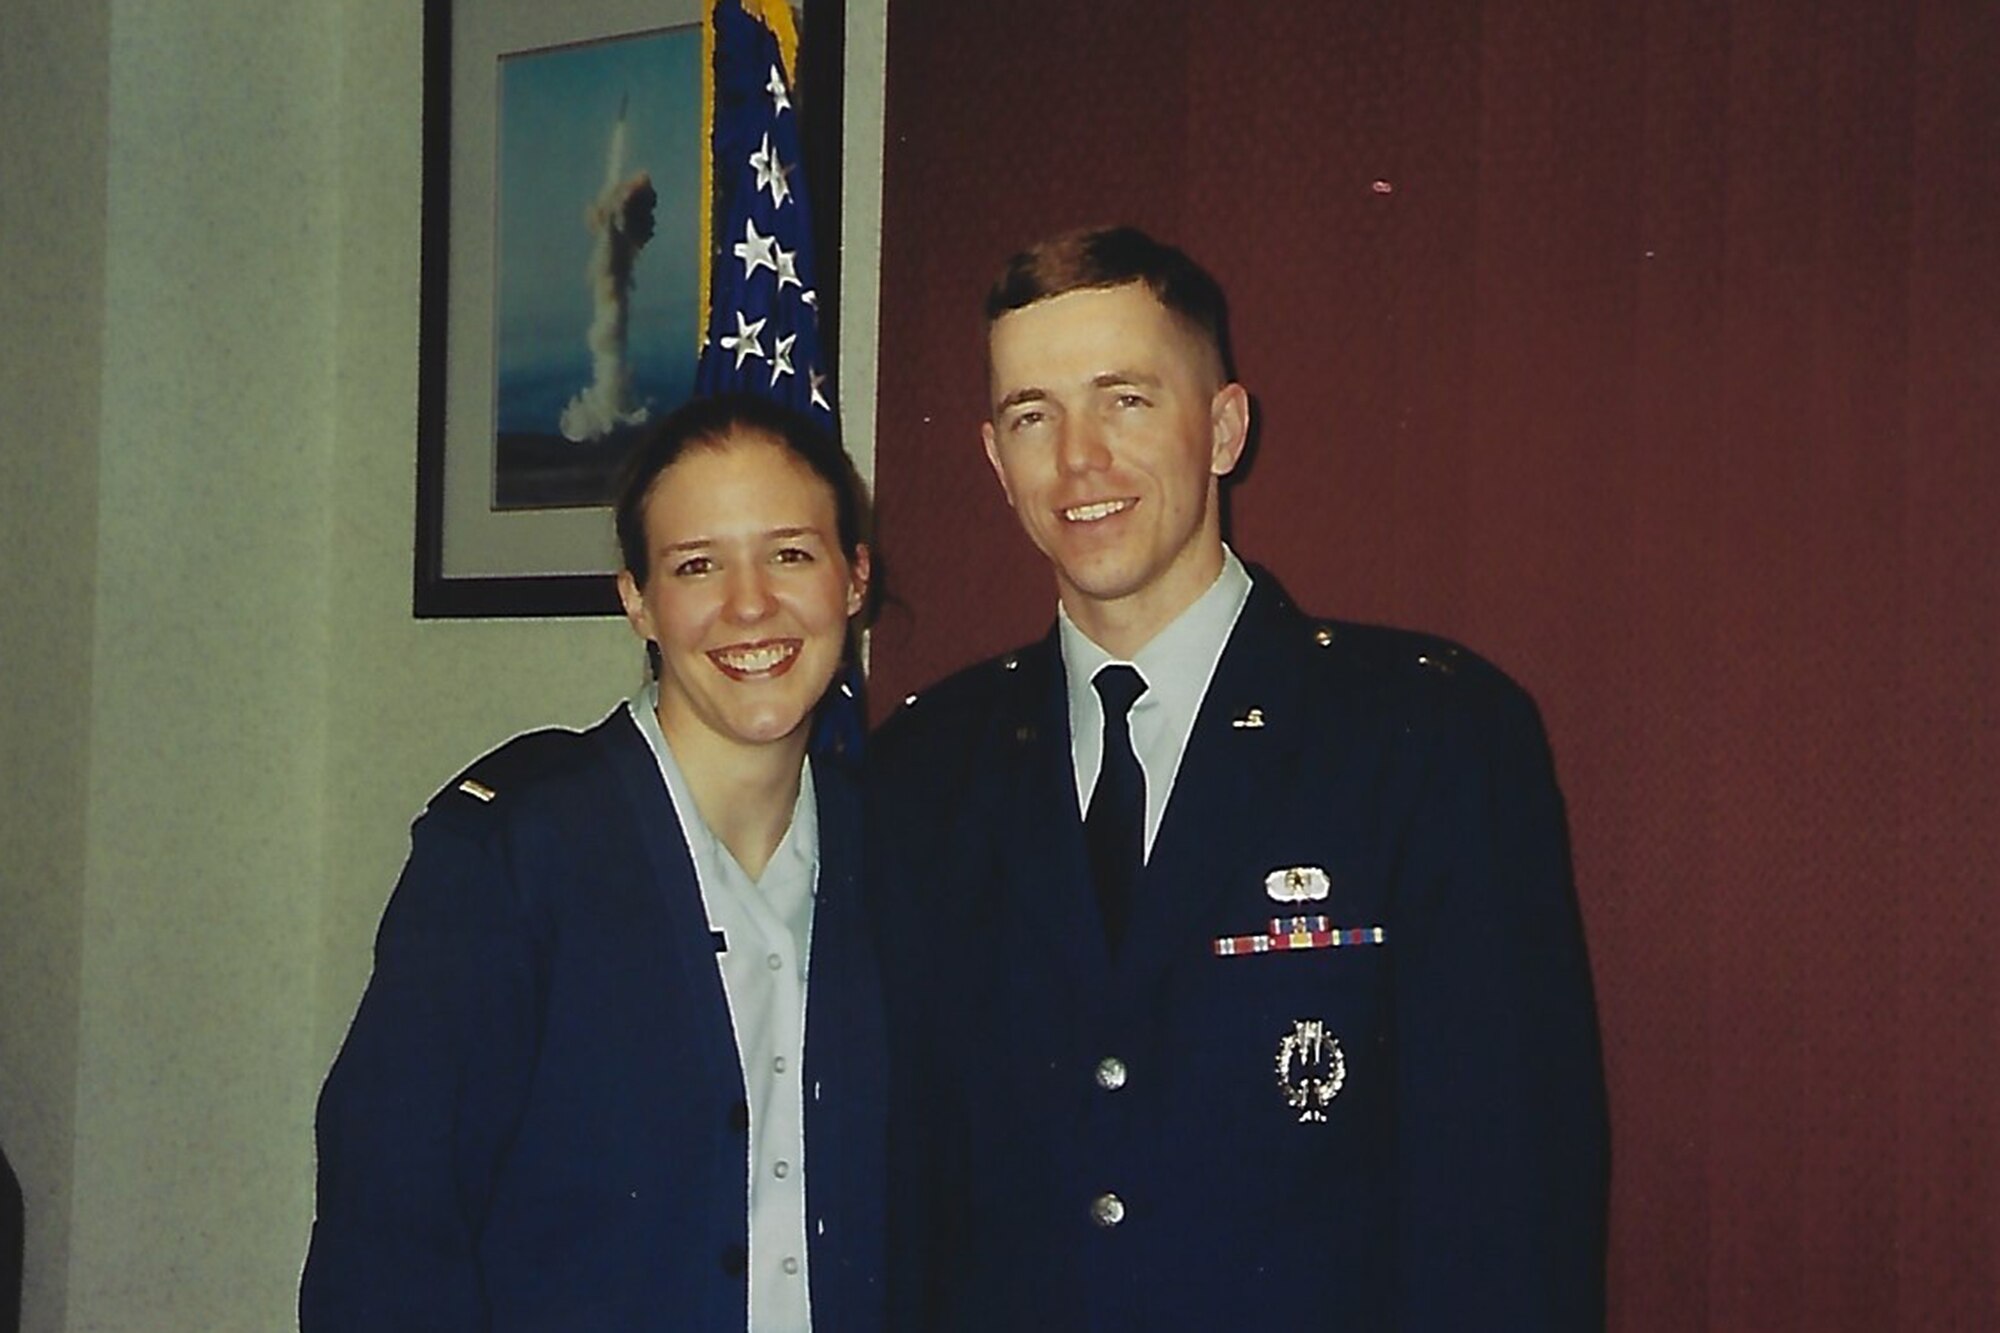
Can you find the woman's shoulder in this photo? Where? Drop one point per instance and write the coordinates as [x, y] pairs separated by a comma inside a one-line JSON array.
[[529, 768]]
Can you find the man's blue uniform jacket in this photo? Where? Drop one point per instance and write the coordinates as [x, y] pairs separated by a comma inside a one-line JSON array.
[[538, 1120], [1206, 1132]]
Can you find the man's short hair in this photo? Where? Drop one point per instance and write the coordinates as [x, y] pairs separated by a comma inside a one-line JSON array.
[[1098, 257]]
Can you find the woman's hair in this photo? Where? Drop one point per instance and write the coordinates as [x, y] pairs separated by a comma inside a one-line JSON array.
[[710, 423]]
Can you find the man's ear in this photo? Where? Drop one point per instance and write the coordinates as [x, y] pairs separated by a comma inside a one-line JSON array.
[[993, 460], [1229, 427]]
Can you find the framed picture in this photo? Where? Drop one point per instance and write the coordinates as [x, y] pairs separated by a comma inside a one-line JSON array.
[[561, 285]]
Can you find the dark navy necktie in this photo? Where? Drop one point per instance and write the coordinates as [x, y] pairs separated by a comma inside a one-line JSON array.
[[1115, 826]]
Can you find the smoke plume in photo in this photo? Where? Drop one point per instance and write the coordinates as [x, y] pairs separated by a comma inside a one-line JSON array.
[[621, 222]]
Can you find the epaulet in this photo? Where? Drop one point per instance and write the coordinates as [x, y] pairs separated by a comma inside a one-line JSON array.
[[947, 714], [1399, 653], [505, 771], [975, 683]]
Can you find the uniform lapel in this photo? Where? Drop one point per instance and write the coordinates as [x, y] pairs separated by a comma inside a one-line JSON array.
[[1046, 868], [843, 1026], [688, 942], [839, 819], [834, 899], [1241, 762], [842, 998]]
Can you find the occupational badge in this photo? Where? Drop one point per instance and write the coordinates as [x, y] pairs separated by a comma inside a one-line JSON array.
[[1297, 884], [1311, 1069]]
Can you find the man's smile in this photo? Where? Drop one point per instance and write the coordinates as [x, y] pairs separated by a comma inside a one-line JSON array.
[[1096, 510]]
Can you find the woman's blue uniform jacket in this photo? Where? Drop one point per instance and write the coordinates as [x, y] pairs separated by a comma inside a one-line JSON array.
[[538, 1120]]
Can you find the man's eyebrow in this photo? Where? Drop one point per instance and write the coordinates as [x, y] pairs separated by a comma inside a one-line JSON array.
[[1111, 379], [1018, 397]]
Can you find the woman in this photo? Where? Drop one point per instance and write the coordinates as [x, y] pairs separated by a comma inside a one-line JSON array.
[[589, 1086]]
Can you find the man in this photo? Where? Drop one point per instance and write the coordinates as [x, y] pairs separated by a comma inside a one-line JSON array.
[[1257, 1002]]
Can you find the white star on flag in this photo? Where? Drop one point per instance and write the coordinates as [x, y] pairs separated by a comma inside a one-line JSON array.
[[745, 342], [781, 360], [786, 264], [818, 398], [770, 173], [755, 250], [780, 99]]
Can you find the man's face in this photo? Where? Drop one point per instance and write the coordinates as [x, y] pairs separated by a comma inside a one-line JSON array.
[[1110, 426]]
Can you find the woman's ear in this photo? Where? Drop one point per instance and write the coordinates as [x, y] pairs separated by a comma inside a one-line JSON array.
[[634, 602], [859, 569]]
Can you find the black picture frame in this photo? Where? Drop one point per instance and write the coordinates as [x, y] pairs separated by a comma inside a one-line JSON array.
[[440, 591]]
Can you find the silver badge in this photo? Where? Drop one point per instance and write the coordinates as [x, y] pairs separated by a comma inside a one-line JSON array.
[[1311, 1069], [1297, 884]]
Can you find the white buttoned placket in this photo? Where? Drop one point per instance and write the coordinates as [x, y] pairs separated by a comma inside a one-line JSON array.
[[765, 976], [765, 928]]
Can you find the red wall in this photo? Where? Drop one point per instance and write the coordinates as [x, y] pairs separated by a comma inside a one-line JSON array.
[[1662, 367]]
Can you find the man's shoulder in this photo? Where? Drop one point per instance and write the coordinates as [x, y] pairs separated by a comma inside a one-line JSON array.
[[950, 715], [1392, 654], [1428, 688], [1394, 669]]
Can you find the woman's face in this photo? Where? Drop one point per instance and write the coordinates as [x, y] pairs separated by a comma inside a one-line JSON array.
[[748, 594]]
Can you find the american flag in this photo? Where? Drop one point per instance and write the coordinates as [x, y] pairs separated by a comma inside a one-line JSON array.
[[763, 301]]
